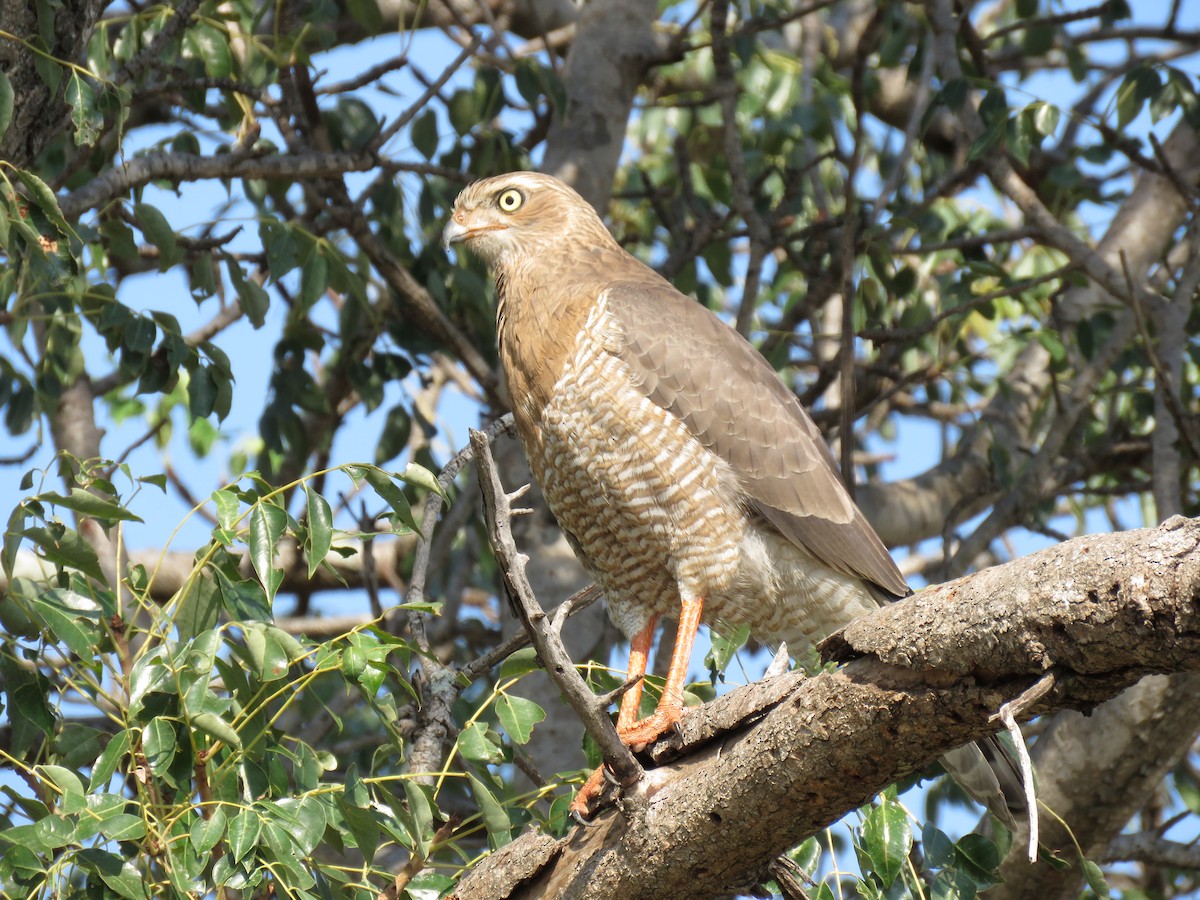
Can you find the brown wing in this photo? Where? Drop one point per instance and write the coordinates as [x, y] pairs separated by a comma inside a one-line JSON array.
[[693, 364]]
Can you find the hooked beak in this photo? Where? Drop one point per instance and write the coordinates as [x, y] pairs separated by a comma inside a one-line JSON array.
[[454, 232], [465, 225]]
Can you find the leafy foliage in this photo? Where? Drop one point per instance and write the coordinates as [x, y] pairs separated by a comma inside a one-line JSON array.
[[223, 248]]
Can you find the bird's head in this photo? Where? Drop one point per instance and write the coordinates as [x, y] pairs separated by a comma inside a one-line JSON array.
[[519, 216]]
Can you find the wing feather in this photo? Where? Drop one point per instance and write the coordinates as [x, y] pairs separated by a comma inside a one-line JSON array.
[[734, 402]]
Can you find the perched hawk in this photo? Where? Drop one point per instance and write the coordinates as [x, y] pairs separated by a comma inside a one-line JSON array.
[[685, 474]]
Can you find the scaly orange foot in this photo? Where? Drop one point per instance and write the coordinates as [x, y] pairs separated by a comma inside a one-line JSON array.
[[639, 734]]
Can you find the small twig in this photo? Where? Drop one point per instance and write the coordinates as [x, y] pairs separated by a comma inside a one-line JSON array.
[[619, 691], [743, 201], [436, 722], [1166, 383], [559, 665], [1007, 714], [577, 602], [790, 878]]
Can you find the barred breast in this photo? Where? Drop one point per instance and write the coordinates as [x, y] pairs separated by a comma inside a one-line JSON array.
[[654, 514]]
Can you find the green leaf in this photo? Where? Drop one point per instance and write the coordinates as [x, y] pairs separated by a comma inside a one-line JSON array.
[[952, 884], [243, 600], [6, 103], [89, 504], [244, 831], [207, 833], [53, 832], [71, 799], [267, 522], [123, 827], [106, 765], [13, 536], [424, 133], [1128, 104], [67, 549], [199, 606], [1095, 878], [227, 506], [518, 716], [421, 809], [314, 280], [202, 392], [158, 744], [320, 528], [419, 476], [270, 659], [936, 846], [389, 493], [397, 427], [212, 46], [887, 840], [45, 200], [216, 727], [85, 117], [158, 232], [495, 819], [476, 745], [520, 662], [366, 13], [723, 647], [71, 618], [119, 874], [252, 298], [1045, 118], [979, 859]]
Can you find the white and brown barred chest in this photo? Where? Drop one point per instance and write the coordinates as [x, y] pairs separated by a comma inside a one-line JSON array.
[[652, 511]]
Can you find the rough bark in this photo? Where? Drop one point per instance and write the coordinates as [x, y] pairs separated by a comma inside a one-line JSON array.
[[922, 676], [613, 47], [39, 111]]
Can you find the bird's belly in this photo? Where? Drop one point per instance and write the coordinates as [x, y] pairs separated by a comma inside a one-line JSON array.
[[782, 594], [650, 509]]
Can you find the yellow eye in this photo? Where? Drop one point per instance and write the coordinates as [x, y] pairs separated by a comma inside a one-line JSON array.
[[510, 200]]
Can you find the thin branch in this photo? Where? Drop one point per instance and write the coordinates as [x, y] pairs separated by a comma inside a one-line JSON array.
[[182, 167], [558, 663], [1149, 848], [735, 159]]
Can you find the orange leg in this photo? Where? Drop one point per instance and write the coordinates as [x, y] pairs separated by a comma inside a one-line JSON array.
[[639, 652], [639, 735]]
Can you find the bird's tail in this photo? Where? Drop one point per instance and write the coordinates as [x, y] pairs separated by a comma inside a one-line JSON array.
[[988, 773]]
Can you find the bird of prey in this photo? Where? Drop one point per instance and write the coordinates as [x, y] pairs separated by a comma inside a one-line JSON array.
[[686, 476]]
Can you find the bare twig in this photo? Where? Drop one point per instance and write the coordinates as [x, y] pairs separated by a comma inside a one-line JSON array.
[[577, 602], [558, 663], [440, 690], [181, 167], [1007, 714], [735, 159]]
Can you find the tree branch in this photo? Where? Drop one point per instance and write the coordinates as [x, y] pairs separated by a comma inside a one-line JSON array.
[[180, 167], [922, 676], [544, 632]]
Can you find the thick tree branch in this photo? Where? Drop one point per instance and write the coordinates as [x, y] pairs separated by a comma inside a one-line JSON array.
[[922, 676]]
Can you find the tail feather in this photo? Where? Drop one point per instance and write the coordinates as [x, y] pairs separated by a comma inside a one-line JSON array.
[[990, 775]]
